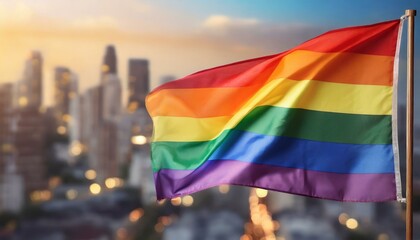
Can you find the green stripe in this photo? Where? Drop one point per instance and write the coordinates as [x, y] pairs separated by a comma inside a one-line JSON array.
[[318, 126], [275, 121]]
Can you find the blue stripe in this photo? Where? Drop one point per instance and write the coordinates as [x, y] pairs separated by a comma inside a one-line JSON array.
[[305, 154]]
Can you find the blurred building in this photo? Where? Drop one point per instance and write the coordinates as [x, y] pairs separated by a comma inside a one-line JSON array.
[[30, 148], [108, 161], [90, 105], [29, 89], [278, 202], [98, 112], [11, 187], [23, 153], [111, 111], [6, 113], [138, 83], [65, 90], [11, 184], [109, 64], [111, 101]]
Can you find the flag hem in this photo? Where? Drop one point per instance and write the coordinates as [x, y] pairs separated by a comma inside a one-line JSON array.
[[395, 117]]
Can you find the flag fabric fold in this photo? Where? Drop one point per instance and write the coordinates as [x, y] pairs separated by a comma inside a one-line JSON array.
[[316, 120]]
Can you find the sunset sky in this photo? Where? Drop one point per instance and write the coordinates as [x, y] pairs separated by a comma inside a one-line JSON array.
[[178, 37]]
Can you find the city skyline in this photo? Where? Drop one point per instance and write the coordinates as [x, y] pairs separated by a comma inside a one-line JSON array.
[[177, 39]]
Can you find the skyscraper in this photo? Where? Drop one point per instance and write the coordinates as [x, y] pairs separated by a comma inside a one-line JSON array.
[[6, 115], [11, 183], [109, 65], [29, 139], [111, 85], [138, 83], [65, 90], [29, 91]]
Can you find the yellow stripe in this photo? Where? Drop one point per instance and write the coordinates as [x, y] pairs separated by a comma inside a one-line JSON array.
[[305, 94]]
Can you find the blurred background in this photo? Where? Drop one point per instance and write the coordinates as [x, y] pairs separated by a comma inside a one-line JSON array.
[[75, 134]]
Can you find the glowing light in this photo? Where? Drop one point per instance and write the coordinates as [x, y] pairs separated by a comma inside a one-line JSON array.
[[7, 148], [135, 215], [76, 148], [105, 68], [66, 118], [187, 201], [133, 106], [261, 193], [176, 201], [72, 95], [90, 174], [95, 188], [342, 218], [245, 237], [122, 233], [352, 223], [159, 227], [383, 236], [53, 182], [166, 220], [139, 140], [23, 101], [40, 195], [110, 183], [224, 189], [161, 202], [61, 130], [71, 194]]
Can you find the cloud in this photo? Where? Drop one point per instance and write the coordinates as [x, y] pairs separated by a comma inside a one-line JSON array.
[[251, 33], [175, 42], [15, 13], [224, 22], [98, 22]]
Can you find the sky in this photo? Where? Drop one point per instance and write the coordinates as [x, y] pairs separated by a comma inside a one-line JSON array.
[[177, 37]]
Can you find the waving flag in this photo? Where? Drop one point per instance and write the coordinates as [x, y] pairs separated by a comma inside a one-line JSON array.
[[316, 120]]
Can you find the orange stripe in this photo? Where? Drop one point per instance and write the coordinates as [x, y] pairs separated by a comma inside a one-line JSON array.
[[199, 102], [342, 67], [299, 65]]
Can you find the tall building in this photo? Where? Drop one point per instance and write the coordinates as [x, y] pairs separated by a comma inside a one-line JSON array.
[[111, 85], [6, 114], [91, 122], [111, 100], [109, 65], [29, 89], [11, 187], [98, 111], [138, 83], [65, 90], [111, 110], [30, 149]]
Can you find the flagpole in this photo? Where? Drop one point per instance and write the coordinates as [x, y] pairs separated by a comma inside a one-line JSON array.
[[409, 135]]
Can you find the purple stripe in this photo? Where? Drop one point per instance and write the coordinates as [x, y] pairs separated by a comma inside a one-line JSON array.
[[334, 186]]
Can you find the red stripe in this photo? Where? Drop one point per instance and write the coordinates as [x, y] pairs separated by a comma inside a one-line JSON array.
[[375, 39]]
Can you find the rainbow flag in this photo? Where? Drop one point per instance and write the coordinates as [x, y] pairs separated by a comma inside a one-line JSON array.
[[316, 120]]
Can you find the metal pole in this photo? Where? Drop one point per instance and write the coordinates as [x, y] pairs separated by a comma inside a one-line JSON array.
[[409, 135]]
